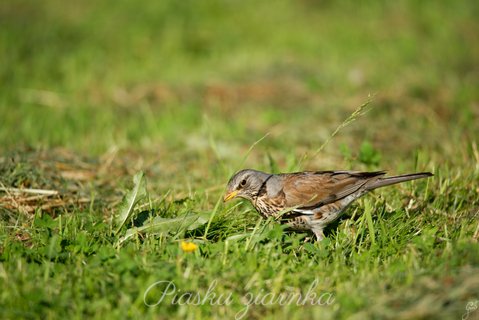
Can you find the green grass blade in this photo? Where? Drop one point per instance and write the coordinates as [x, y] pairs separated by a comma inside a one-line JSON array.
[[160, 225], [130, 201], [368, 209]]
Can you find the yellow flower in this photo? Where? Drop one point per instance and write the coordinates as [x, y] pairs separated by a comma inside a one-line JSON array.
[[188, 246]]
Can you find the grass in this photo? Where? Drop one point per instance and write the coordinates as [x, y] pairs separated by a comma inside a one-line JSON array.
[[188, 92]]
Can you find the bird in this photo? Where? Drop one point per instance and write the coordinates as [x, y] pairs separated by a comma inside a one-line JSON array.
[[308, 200]]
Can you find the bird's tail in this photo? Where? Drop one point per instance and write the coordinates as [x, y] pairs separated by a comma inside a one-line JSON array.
[[382, 182]]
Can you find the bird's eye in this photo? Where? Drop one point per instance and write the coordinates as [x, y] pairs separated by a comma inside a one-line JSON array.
[[243, 182]]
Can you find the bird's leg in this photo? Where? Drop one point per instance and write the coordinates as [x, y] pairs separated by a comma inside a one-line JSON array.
[[318, 232]]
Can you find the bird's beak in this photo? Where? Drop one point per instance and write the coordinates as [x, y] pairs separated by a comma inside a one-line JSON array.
[[230, 195]]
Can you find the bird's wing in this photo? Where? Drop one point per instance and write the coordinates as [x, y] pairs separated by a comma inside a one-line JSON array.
[[308, 190]]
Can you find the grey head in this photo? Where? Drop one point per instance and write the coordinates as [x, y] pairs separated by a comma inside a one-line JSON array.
[[245, 184]]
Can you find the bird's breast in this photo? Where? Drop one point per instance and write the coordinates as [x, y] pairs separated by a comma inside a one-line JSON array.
[[268, 206]]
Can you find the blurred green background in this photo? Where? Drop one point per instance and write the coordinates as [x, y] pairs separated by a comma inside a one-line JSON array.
[[169, 75]]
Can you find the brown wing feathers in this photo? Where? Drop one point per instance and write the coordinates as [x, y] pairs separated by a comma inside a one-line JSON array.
[[315, 189]]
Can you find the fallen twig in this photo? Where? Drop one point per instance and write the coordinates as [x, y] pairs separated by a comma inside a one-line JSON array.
[[26, 190]]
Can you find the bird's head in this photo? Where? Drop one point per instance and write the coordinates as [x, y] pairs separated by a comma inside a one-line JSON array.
[[245, 184]]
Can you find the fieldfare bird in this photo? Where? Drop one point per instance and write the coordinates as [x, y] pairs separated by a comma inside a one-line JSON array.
[[308, 200]]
